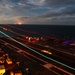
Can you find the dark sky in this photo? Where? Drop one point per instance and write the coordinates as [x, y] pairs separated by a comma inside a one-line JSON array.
[[59, 12]]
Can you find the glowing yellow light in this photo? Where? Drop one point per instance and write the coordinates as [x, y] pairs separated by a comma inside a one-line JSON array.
[[19, 23], [45, 51], [2, 71], [9, 61], [1, 61], [29, 39], [11, 73], [18, 73]]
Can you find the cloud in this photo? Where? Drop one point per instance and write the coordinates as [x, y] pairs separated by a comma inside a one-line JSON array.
[[36, 2], [37, 11], [62, 19], [24, 6], [10, 10], [61, 1], [50, 2], [61, 11]]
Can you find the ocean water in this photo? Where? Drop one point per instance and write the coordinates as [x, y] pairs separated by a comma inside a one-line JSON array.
[[59, 31]]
